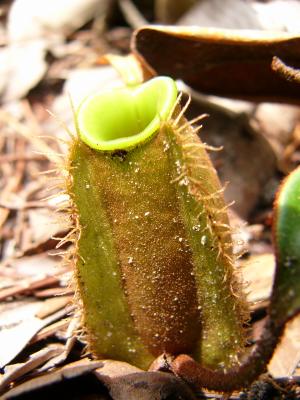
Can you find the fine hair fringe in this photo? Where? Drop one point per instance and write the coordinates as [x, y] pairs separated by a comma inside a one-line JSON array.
[[62, 180], [192, 160]]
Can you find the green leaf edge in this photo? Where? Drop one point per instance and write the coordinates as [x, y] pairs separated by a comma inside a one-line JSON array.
[[285, 301]]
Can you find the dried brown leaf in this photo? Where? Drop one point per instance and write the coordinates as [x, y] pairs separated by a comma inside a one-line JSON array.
[[229, 63], [126, 382]]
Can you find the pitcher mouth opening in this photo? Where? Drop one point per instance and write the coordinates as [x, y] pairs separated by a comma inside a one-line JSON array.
[[124, 118]]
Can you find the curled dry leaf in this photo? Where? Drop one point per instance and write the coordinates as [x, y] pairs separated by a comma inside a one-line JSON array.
[[223, 62]]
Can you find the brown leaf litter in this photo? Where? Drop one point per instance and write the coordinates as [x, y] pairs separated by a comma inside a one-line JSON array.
[[39, 324]]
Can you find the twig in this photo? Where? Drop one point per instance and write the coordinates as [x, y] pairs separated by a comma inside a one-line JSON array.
[[132, 15]]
